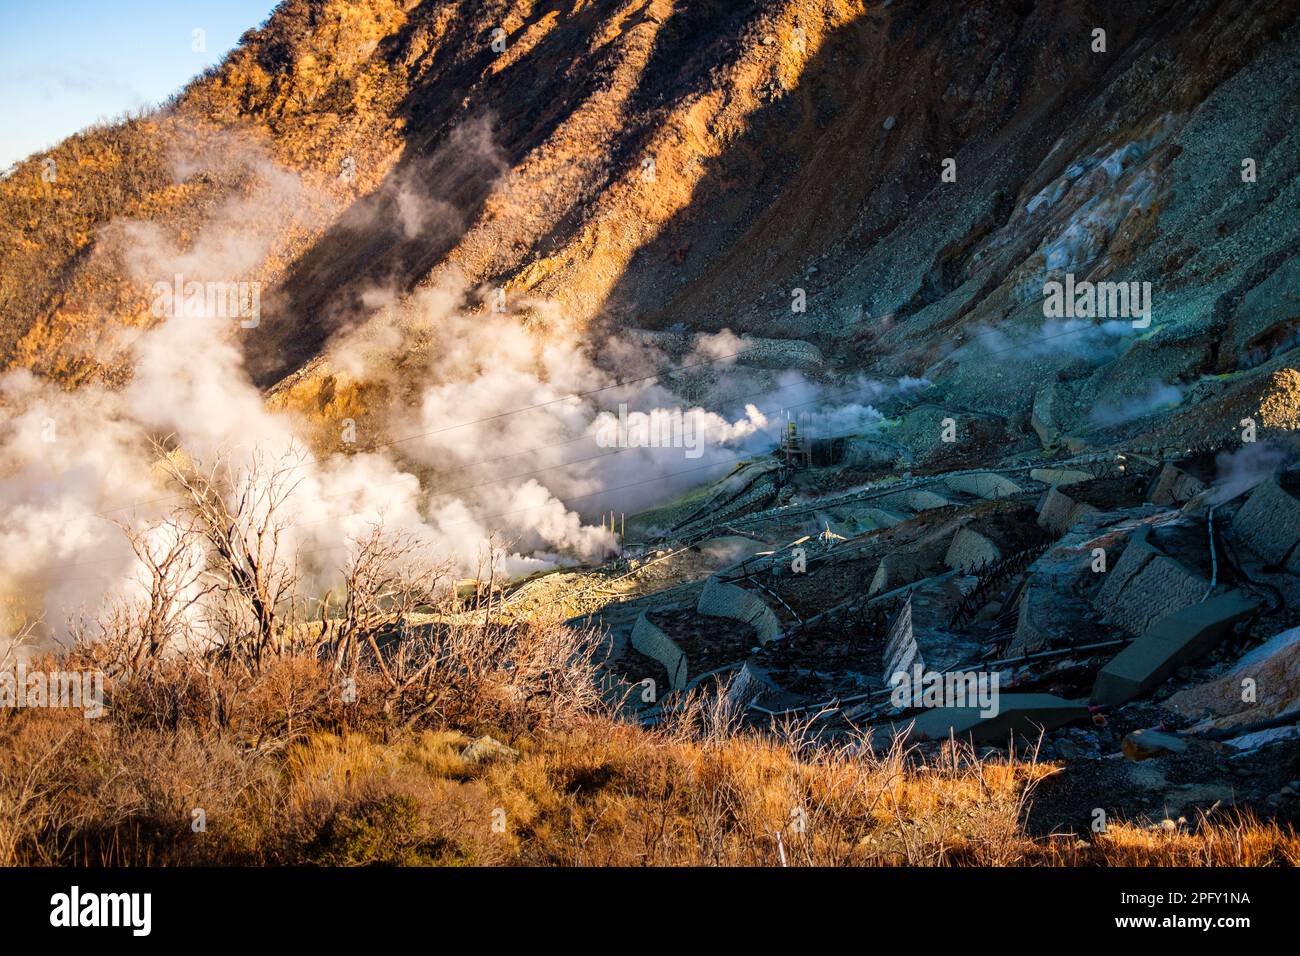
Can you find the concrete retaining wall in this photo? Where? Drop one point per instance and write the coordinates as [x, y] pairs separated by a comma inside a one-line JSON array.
[[1145, 585], [1175, 486], [883, 517], [901, 651], [923, 500], [748, 686], [984, 485], [1169, 643], [1060, 476], [1269, 522], [1022, 715], [727, 600], [895, 570], [1059, 512], [969, 550], [654, 643]]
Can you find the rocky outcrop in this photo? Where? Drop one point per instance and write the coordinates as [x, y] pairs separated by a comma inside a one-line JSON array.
[[1044, 417], [1262, 685], [779, 353]]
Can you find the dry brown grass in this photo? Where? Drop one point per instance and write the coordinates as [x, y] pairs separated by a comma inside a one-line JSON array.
[[285, 774]]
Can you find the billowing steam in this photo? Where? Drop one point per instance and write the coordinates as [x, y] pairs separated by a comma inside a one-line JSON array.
[[507, 436], [1237, 472]]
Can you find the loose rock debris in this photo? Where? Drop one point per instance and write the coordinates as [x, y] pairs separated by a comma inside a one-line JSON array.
[[1117, 604]]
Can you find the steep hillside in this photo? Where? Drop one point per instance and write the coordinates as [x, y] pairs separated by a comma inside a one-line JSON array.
[[454, 213], [651, 164]]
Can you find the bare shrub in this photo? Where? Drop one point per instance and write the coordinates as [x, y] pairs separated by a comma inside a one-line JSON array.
[[239, 512]]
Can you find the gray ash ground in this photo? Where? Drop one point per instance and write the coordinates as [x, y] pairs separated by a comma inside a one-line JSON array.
[[709, 642]]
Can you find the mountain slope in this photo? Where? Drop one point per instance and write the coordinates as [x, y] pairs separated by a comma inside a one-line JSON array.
[[654, 163]]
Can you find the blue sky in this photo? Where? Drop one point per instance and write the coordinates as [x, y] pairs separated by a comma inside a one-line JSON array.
[[66, 63]]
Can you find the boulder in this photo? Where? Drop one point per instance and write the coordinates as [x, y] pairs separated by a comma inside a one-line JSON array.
[[1270, 674], [485, 748], [1145, 744], [1261, 738]]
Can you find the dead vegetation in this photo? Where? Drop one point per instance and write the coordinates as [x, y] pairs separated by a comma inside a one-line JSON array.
[[240, 729], [281, 771]]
